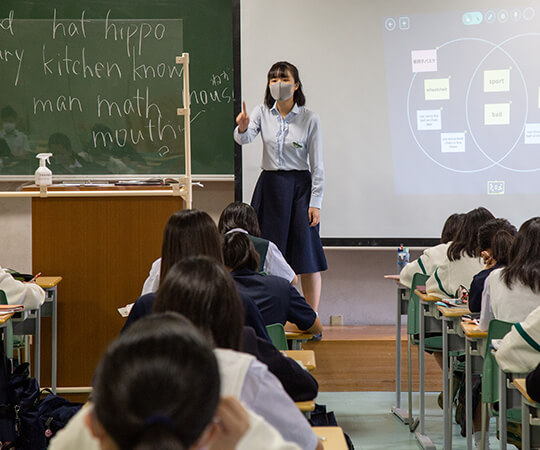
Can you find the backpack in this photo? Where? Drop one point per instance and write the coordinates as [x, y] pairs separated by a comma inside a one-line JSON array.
[[55, 412]]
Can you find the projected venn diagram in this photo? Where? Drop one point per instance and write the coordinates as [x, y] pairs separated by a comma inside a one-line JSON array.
[[474, 104]]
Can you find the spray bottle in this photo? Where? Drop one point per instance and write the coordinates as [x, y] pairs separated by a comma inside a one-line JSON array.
[[402, 257], [43, 173]]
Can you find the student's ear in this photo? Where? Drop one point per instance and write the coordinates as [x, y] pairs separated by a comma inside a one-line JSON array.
[[93, 424], [207, 437]]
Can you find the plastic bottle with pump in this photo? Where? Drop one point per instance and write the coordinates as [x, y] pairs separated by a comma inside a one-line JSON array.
[[402, 258], [43, 173]]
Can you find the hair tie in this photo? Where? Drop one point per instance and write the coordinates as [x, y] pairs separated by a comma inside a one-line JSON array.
[[158, 419]]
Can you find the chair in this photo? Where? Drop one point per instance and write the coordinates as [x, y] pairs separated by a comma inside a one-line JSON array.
[[9, 329], [277, 336]]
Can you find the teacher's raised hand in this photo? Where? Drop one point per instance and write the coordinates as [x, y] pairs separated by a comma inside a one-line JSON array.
[[242, 119]]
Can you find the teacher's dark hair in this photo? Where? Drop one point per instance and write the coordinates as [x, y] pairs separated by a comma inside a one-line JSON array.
[[279, 70], [189, 232], [524, 260], [239, 215], [201, 289], [157, 386], [239, 252], [466, 239], [451, 227]]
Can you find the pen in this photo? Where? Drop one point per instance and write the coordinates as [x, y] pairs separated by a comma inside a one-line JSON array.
[[35, 278]]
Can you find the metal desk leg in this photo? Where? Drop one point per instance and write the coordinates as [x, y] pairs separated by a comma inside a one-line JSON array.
[[468, 393], [447, 421], [525, 426], [502, 410], [396, 410], [54, 348], [421, 437], [37, 345]]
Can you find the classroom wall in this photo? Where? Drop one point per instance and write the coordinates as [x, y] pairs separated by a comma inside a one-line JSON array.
[[353, 286]]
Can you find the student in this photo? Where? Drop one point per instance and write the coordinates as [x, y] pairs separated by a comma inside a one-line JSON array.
[[289, 192], [30, 295], [202, 290], [433, 256], [513, 292], [158, 386], [241, 217], [278, 301], [462, 260], [64, 159], [494, 241], [16, 140], [533, 384]]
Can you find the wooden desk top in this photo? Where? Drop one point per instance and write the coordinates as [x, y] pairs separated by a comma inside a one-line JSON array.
[[471, 330], [522, 387], [308, 406], [458, 311], [5, 317], [426, 297], [332, 437], [48, 282], [298, 335], [306, 357]]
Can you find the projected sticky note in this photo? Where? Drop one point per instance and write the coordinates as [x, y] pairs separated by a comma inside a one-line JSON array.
[[437, 89], [532, 133], [424, 60], [452, 142], [497, 114], [429, 119], [497, 80], [495, 187]]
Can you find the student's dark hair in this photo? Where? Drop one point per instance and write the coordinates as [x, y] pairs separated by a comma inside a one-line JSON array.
[[524, 259], [279, 70], [451, 227], [501, 244], [189, 232], [466, 239], [239, 252], [5, 151], [487, 231], [239, 215], [60, 139], [8, 113], [157, 386], [202, 289]]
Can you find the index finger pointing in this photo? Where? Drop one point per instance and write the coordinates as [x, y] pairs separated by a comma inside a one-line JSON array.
[[244, 107]]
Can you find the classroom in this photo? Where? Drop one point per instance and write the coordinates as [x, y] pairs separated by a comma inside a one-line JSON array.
[[323, 210]]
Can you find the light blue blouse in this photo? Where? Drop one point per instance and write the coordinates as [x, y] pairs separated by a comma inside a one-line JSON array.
[[290, 143]]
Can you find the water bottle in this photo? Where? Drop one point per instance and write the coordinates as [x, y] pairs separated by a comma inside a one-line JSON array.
[[402, 257]]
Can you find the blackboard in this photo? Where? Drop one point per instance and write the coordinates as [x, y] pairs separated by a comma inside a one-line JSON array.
[[96, 83]]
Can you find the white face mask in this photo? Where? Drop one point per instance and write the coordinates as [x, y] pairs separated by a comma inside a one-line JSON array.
[[281, 91], [9, 127]]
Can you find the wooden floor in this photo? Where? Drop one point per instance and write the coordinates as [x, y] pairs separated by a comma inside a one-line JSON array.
[[362, 358]]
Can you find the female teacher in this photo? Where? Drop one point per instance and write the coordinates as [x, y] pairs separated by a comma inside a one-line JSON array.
[[289, 192]]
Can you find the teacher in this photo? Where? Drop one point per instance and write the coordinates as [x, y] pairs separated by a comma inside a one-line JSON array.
[[289, 192]]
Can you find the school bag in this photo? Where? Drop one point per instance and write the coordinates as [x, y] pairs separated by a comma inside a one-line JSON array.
[[55, 412]]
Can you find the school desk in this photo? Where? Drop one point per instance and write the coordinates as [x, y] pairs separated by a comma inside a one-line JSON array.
[[530, 417], [306, 407], [452, 341], [401, 309], [332, 438], [297, 337], [475, 346], [306, 357]]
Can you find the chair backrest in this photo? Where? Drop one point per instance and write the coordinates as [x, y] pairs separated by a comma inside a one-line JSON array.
[[413, 326], [277, 336], [490, 370], [9, 328]]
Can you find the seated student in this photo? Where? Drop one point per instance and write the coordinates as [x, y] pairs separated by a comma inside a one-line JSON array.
[[494, 240], [30, 295], [202, 290], [432, 257], [462, 260], [16, 140], [242, 217], [64, 159], [513, 292], [190, 232], [533, 384], [278, 301], [158, 386]]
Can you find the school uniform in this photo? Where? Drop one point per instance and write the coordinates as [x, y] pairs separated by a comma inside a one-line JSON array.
[[277, 300], [291, 182], [509, 304], [252, 317], [17, 142], [450, 275], [533, 384], [30, 295], [430, 259], [477, 288]]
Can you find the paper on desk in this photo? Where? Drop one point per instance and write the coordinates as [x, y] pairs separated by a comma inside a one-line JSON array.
[[125, 310], [6, 309]]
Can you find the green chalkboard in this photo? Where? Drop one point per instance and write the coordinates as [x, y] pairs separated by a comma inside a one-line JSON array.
[[95, 82]]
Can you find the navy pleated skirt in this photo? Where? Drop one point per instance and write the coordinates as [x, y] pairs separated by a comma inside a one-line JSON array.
[[281, 200]]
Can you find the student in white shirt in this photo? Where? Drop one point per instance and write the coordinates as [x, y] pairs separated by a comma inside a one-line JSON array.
[[513, 292], [30, 295], [432, 257], [462, 260]]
